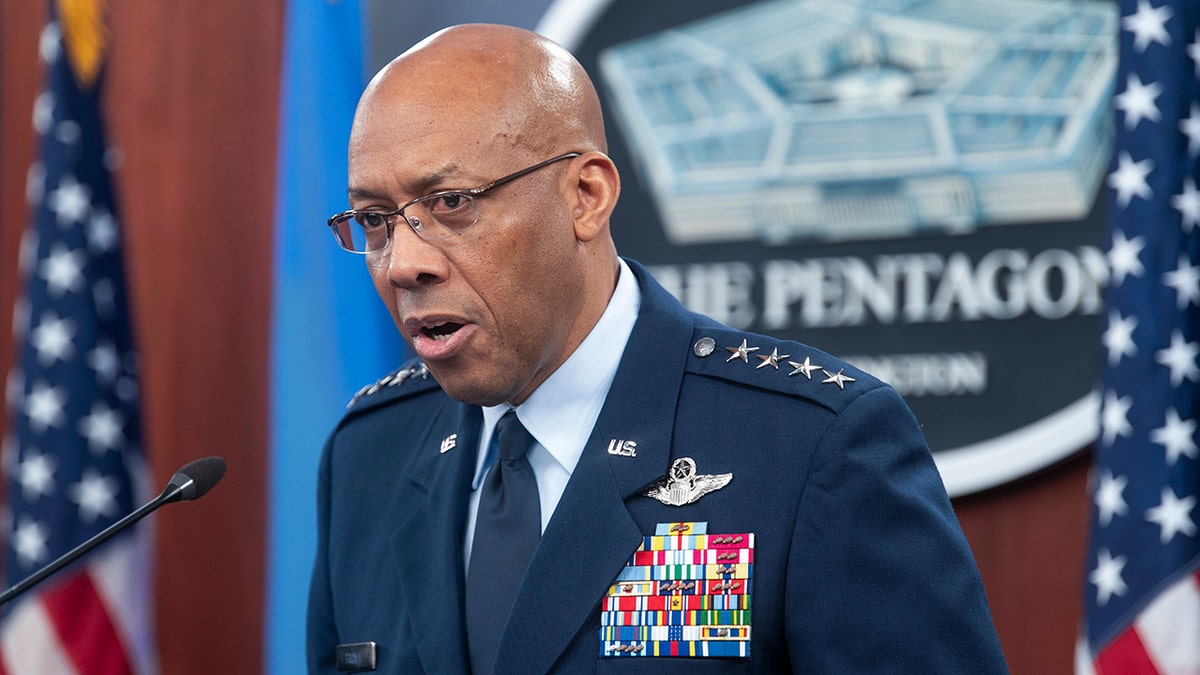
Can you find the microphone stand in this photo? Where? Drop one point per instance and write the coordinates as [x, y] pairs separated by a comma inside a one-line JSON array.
[[171, 493]]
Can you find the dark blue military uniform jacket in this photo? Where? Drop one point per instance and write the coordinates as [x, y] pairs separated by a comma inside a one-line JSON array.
[[859, 564]]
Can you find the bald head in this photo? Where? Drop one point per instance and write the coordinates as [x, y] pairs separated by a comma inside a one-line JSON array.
[[517, 84]]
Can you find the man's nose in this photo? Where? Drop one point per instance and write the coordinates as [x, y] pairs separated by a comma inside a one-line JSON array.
[[413, 261]]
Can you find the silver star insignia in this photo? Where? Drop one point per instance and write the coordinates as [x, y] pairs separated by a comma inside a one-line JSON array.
[[683, 486], [771, 359], [742, 352], [840, 380], [807, 367]]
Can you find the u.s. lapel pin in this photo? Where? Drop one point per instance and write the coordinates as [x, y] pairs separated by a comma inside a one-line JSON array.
[[684, 486], [448, 443], [622, 448]]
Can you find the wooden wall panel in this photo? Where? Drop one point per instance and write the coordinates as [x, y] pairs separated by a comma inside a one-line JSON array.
[[19, 81], [192, 99], [1029, 539]]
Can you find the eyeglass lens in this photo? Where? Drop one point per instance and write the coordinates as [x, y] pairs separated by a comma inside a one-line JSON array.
[[432, 217]]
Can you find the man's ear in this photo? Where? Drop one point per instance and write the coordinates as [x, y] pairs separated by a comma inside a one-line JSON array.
[[596, 193]]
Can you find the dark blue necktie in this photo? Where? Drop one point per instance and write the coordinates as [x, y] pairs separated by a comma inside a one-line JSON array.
[[507, 529]]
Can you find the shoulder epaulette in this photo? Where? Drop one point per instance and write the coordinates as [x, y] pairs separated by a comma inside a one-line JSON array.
[[779, 365], [412, 372]]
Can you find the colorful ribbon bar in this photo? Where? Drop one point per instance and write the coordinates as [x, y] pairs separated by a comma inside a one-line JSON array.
[[672, 572], [706, 556], [664, 529], [658, 603], [684, 592], [692, 542], [704, 617], [672, 633], [677, 648]]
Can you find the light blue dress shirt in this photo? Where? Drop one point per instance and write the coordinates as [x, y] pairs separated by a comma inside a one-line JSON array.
[[561, 412]]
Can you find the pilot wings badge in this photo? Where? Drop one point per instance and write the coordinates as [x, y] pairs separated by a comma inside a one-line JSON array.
[[683, 486]]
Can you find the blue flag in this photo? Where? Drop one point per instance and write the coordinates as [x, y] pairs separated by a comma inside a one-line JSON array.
[[331, 334]]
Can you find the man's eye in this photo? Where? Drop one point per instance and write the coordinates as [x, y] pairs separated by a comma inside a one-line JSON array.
[[370, 221], [450, 202]]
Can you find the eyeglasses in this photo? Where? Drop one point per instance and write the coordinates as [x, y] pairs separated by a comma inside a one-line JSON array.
[[435, 216]]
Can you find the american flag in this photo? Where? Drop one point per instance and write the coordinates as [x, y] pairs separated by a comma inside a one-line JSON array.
[[1142, 591], [73, 456]]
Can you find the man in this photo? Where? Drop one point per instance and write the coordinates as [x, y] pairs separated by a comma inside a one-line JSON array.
[[688, 495]]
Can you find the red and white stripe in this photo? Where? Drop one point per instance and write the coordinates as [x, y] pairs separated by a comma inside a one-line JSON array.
[[1164, 639], [95, 620]]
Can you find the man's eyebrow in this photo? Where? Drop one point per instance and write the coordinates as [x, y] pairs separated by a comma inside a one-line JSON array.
[[421, 186], [360, 193]]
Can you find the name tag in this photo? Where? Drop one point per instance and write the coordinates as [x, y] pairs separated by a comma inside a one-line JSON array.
[[356, 657]]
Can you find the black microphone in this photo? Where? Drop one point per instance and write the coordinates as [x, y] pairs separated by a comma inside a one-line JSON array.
[[190, 482]]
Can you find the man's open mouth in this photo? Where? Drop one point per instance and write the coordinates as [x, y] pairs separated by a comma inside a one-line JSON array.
[[441, 331]]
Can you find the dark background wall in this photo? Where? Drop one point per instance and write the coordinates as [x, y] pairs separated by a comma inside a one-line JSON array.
[[192, 94]]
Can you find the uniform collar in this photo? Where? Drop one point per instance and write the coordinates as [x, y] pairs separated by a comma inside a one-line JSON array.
[[561, 412]]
